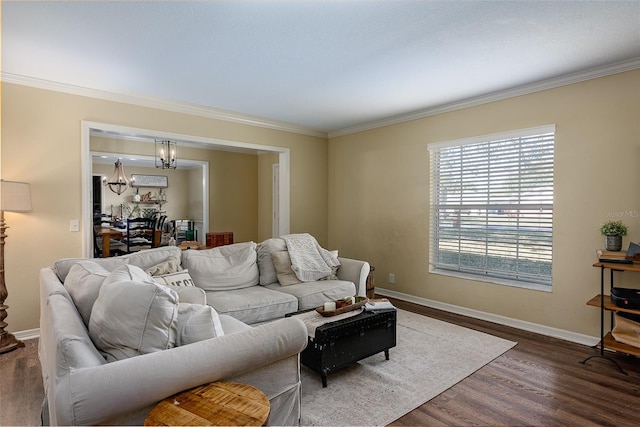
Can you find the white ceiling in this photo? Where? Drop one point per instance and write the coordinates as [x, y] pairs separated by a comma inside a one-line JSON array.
[[323, 66]]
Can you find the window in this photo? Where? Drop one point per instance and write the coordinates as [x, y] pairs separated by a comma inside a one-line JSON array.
[[492, 207]]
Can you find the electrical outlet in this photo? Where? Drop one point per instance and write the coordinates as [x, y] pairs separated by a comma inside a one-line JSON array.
[[392, 278], [74, 225]]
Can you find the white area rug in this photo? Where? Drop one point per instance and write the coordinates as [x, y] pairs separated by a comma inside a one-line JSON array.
[[430, 356]]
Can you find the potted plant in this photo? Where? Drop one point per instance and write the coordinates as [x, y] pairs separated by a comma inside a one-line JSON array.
[[613, 232]]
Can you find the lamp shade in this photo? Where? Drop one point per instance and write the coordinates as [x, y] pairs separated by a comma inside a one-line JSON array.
[[15, 196]]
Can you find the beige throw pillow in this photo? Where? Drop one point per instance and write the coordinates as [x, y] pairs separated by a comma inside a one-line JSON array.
[[171, 265], [282, 263]]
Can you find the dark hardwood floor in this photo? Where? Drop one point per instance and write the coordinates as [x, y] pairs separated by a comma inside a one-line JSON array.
[[538, 382], [21, 391]]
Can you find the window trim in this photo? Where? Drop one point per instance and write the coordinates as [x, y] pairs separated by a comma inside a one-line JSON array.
[[519, 133]]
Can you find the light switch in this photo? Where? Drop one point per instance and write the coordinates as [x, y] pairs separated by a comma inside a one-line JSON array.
[[74, 225]]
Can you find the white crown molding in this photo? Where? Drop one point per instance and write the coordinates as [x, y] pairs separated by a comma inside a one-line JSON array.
[[198, 110], [161, 104], [593, 73], [494, 318]]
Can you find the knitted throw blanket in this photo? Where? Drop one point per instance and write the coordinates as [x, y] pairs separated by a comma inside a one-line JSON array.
[[308, 260]]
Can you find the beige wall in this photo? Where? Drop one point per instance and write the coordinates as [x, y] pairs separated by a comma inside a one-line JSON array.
[[379, 196], [41, 144], [366, 195], [178, 192], [234, 196]]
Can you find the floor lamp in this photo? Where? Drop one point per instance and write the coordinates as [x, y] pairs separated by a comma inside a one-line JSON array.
[[14, 197]]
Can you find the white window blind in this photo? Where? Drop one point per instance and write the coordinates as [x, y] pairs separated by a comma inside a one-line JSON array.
[[492, 205]]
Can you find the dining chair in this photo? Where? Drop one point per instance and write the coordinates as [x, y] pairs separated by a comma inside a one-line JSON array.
[[140, 234], [102, 220]]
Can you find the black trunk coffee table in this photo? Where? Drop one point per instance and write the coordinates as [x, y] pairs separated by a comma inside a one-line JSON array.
[[343, 342]]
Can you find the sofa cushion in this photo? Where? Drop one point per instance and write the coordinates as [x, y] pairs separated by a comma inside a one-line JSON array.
[[133, 317], [223, 268], [268, 273], [149, 258], [83, 283], [197, 322], [284, 273], [144, 259], [252, 305], [315, 294], [63, 266]]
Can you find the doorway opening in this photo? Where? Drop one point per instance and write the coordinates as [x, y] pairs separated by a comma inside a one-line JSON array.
[[125, 132]]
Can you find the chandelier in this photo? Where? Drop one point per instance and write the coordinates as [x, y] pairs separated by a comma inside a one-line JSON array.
[[118, 182], [166, 154]]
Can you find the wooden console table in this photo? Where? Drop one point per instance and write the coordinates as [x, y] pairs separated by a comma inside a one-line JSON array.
[[605, 304], [218, 403]]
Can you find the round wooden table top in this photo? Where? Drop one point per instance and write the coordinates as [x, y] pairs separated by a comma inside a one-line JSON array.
[[219, 403]]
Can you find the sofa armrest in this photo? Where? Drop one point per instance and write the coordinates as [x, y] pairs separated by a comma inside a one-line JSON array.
[[132, 384], [355, 271]]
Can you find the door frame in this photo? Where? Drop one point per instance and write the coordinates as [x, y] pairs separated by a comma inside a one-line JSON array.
[[89, 127]]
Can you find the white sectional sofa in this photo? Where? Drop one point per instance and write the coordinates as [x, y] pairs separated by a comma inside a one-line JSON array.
[[105, 360]]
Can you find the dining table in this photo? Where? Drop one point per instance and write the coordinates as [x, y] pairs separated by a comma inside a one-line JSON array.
[[108, 233]]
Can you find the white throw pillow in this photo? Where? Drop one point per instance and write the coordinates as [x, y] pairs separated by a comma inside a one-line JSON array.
[[180, 278], [128, 273], [197, 322], [182, 283], [83, 282], [282, 262], [223, 268], [189, 294], [268, 274], [130, 318]]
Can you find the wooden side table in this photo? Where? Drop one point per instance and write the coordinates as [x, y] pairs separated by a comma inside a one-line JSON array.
[[371, 287], [218, 403]]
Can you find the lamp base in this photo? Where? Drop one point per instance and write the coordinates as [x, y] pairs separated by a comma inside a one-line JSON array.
[[9, 343]]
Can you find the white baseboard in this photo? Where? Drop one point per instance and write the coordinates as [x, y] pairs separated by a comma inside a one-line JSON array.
[[490, 317], [29, 334]]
